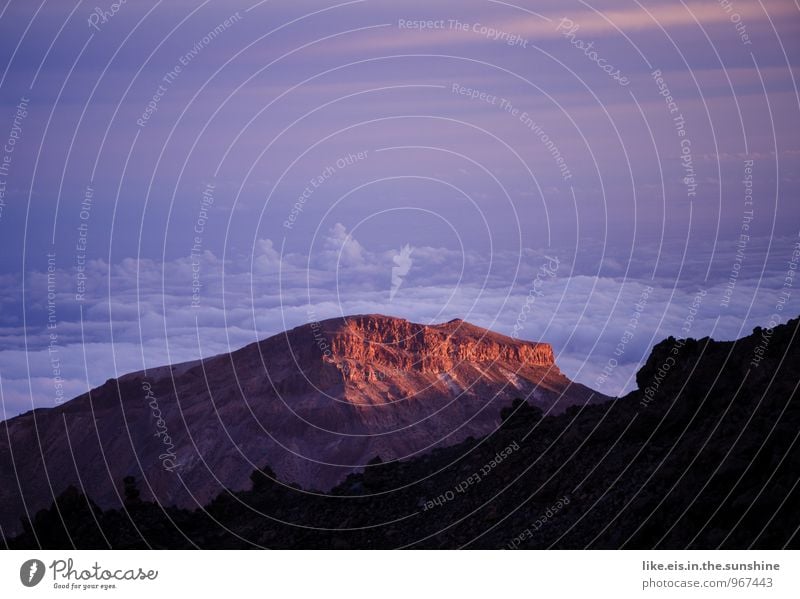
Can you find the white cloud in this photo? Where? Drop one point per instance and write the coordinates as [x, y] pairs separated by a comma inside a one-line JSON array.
[[348, 251]]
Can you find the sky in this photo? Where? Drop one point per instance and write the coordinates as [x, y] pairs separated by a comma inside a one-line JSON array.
[[179, 179]]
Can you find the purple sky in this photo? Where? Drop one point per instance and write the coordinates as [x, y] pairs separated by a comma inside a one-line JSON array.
[[280, 154]]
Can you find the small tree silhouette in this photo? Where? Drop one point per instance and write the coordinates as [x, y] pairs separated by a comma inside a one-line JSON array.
[[520, 412], [131, 491]]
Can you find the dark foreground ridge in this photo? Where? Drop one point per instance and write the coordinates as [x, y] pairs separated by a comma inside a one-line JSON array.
[[703, 455]]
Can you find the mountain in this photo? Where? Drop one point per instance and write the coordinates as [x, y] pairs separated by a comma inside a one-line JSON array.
[[317, 403], [703, 455]]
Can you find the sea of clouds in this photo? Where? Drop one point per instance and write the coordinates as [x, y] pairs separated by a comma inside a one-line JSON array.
[[601, 315]]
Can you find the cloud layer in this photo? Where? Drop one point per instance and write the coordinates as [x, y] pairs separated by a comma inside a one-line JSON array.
[[595, 311]]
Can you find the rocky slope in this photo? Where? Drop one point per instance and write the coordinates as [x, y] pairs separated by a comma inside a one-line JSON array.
[[316, 403]]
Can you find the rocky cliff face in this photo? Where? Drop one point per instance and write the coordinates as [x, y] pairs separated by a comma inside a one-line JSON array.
[[314, 403], [398, 345]]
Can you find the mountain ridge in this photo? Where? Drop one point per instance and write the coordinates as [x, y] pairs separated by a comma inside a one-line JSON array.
[[711, 461], [317, 402]]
